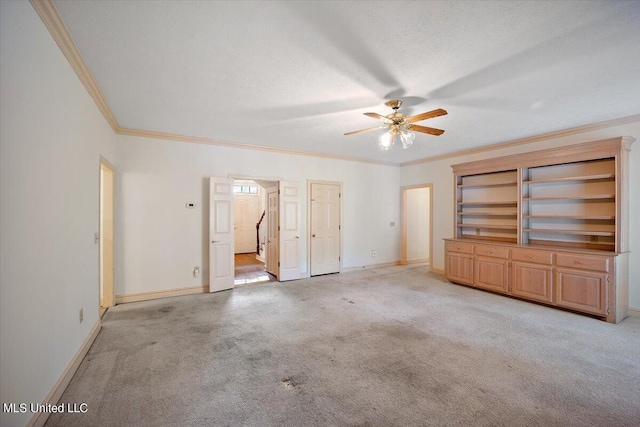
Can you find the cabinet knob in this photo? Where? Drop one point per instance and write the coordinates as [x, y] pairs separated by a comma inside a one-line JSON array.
[[490, 252], [530, 256]]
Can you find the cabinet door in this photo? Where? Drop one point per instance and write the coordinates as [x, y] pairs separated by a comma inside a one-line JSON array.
[[459, 267], [532, 281], [582, 290], [492, 274]]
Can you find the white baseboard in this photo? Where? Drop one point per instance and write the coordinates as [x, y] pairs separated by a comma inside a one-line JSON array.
[[53, 397], [436, 271], [634, 312], [360, 267], [418, 261], [146, 296]]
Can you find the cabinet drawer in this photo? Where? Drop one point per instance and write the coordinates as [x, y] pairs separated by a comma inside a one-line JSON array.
[[465, 248], [492, 251], [532, 255], [583, 262]]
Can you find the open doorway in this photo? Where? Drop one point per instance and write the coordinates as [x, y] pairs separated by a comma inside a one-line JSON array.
[[107, 297], [222, 233], [417, 224], [251, 231]]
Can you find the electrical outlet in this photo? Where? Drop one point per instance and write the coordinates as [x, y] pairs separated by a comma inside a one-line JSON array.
[[373, 253], [196, 271], [81, 315]]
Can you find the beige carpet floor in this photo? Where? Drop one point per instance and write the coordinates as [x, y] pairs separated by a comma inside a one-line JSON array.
[[394, 346]]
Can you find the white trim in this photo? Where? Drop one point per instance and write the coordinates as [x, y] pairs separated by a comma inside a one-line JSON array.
[[529, 140], [255, 178], [634, 312], [419, 261], [165, 293], [437, 271], [53, 397], [210, 141], [52, 20], [361, 267]]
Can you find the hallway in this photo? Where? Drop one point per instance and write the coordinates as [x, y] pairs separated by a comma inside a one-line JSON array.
[[250, 270]]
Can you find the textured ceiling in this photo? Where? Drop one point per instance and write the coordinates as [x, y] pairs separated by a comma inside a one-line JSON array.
[[299, 75]]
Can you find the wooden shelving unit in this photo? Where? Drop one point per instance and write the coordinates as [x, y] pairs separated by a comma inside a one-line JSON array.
[[573, 203], [487, 206], [550, 226]]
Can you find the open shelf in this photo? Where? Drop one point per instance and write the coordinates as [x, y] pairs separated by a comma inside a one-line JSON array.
[[489, 214], [489, 226], [490, 203], [576, 198], [574, 232], [606, 246], [579, 217], [499, 184], [488, 238], [599, 177]]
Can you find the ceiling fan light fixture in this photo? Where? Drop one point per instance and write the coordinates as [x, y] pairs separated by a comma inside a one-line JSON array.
[[407, 138], [397, 123], [386, 140]]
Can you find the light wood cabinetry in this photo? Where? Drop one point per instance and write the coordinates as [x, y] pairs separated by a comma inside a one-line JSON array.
[[549, 226], [491, 268], [582, 290], [532, 281], [459, 267]]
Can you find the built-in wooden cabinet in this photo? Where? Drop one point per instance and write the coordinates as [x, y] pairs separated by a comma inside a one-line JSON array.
[[491, 267], [549, 226], [582, 290], [459, 260]]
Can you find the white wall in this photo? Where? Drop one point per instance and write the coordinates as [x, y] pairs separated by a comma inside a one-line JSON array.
[[440, 174], [158, 241], [51, 139], [418, 223]]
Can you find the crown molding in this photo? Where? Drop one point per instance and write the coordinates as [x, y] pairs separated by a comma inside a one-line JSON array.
[[210, 141], [52, 20], [529, 140]]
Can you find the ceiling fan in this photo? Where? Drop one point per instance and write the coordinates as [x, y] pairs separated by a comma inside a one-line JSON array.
[[396, 124]]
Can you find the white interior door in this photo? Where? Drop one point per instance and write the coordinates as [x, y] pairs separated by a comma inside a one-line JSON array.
[[289, 230], [247, 215], [221, 235], [325, 228], [273, 256]]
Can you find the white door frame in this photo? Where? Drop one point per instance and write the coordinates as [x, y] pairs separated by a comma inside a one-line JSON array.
[[271, 262], [106, 289], [403, 221], [338, 183], [277, 179]]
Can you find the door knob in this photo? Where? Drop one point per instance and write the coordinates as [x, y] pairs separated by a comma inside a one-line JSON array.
[[313, 235], [297, 237]]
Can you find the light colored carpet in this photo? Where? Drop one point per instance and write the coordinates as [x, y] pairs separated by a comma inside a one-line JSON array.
[[394, 346]]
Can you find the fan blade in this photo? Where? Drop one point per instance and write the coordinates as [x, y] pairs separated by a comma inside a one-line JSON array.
[[364, 130], [379, 117], [424, 129], [425, 116]]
